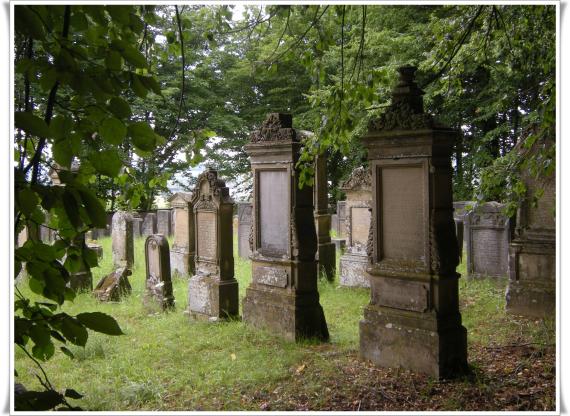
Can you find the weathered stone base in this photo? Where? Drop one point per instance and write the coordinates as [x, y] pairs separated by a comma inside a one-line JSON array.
[[182, 262], [532, 284], [209, 297], [327, 260], [81, 281], [353, 270], [413, 341], [292, 316]]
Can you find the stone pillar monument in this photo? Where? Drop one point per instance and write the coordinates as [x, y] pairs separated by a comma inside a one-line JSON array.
[[356, 258], [183, 251], [413, 318], [122, 240], [283, 295], [244, 226], [326, 253], [532, 253], [213, 290]]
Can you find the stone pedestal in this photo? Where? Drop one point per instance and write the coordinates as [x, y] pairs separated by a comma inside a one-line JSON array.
[[244, 228], [488, 234], [183, 247], [354, 262], [158, 284], [122, 240], [213, 290], [283, 296], [532, 253], [413, 318]]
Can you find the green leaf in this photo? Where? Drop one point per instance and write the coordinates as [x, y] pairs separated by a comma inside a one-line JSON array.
[[63, 152], [67, 352], [130, 53], [31, 124], [100, 322], [106, 162], [119, 107], [74, 331], [138, 87], [113, 61], [60, 127], [90, 257], [143, 136], [27, 22], [27, 201], [94, 208], [119, 14], [71, 208], [37, 400], [150, 84], [113, 131]]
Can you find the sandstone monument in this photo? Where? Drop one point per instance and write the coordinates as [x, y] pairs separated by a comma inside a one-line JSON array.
[[283, 295], [356, 258], [122, 240], [183, 247], [213, 290], [244, 226], [158, 284], [163, 222], [413, 318]]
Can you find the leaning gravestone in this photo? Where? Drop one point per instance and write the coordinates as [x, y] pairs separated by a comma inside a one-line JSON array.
[[149, 224], [413, 318], [163, 222], [183, 248], [114, 286], [532, 253], [122, 240], [283, 295], [213, 290], [158, 284], [244, 226], [488, 233], [354, 262]]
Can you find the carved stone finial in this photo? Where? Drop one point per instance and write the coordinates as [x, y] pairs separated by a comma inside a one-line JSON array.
[[276, 127], [406, 111], [360, 178]]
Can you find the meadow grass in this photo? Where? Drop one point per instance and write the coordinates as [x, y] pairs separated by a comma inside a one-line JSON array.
[[168, 362]]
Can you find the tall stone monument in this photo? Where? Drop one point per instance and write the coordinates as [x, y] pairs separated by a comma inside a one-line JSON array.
[[163, 222], [341, 218], [488, 234], [122, 240], [149, 227], [158, 283], [326, 252], [213, 290], [183, 247], [413, 318], [244, 226], [532, 253], [355, 260], [283, 295]]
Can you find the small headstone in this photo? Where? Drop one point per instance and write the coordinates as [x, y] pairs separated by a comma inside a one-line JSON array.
[[183, 247], [163, 222], [353, 264], [114, 286], [123, 243], [158, 284], [213, 290], [149, 224], [488, 234], [244, 227]]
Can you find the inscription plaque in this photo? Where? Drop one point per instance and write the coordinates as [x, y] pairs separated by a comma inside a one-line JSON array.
[[400, 294], [360, 225], [402, 212], [274, 216], [271, 276], [206, 223], [153, 260], [489, 251]]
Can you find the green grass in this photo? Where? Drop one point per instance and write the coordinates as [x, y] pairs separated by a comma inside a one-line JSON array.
[[167, 362]]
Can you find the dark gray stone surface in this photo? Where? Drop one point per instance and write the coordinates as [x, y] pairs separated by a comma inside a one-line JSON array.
[[164, 222], [148, 227], [123, 245], [158, 284], [244, 228]]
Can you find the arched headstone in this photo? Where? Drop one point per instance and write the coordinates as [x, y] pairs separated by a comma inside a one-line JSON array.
[[158, 285]]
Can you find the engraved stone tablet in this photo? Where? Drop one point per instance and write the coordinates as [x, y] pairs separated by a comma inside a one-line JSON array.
[[206, 224], [274, 216], [271, 276], [360, 225], [402, 213], [489, 252], [401, 294]]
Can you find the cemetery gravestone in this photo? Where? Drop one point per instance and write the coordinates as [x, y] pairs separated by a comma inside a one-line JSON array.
[[137, 225], [122, 240], [532, 253], [213, 290], [96, 248], [341, 216], [460, 211], [244, 227], [158, 284], [488, 234], [114, 286], [413, 318], [163, 222], [149, 224], [283, 295], [354, 262], [183, 247]]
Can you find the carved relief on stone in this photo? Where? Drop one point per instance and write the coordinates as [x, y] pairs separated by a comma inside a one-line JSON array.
[[355, 247], [205, 204], [400, 116], [361, 178], [294, 240], [276, 127], [218, 187], [251, 237]]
